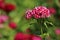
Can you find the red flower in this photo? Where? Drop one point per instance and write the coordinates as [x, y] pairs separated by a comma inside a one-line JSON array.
[[22, 36], [36, 38], [9, 7], [29, 14], [2, 5], [38, 12], [12, 25], [52, 10], [41, 12]]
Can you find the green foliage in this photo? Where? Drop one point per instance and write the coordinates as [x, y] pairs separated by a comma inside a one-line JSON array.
[[18, 16]]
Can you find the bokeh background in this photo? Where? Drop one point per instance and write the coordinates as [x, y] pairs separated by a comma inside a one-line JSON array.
[[18, 17]]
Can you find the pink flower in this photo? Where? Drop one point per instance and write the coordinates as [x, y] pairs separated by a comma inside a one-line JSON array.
[[52, 10], [21, 36], [57, 31], [38, 12], [12, 25], [29, 14], [41, 12], [36, 38], [3, 18]]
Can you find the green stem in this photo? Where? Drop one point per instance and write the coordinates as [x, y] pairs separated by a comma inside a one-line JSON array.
[[40, 22], [50, 23], [45, 25], [41, 30]]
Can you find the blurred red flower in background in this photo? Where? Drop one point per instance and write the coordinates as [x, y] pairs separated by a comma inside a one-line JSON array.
[[9, 7], [22, 36], [12, 25], [57, 31], [2, 4], [52, 10], [36, 38]]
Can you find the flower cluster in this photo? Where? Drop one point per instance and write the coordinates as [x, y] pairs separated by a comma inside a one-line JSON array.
[[38, 12]]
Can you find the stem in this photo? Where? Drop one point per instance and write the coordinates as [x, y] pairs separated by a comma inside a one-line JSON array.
[[45, 25], [40, 22], [50, 23], [41, 30]]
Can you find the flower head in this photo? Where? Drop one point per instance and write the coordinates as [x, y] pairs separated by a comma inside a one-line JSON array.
[[38, 12], [36, 38], [3, 18], [21, 36], [9, 7], [2, 4], [12, 25], [57, 31], [41, 12], [52, 10], [29, 14]]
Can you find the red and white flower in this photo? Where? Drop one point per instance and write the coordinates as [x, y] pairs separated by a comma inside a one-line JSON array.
[[38, 12], [41, 12], [29, 14]]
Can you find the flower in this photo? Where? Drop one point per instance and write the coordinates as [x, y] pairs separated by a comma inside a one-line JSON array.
[[41, 12], [38, 12], [3, 18], [57, 31], [9, 7], [2, 5], [28, 14], [21, 36], [36, 38], [52, 10], [12, 25]]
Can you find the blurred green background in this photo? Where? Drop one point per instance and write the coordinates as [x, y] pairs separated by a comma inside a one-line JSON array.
[[18, 15]]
